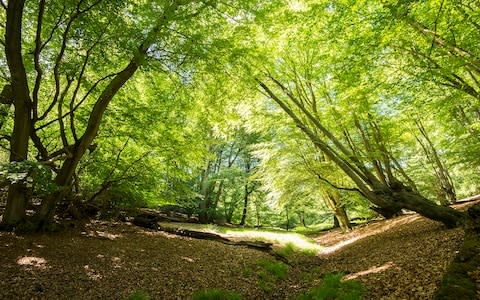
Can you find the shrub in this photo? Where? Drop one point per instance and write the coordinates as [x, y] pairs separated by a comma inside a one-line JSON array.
[[275, 268], [332, 288], [287, 250]]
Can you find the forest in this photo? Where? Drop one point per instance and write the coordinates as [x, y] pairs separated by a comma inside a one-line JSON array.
[[250, 127]]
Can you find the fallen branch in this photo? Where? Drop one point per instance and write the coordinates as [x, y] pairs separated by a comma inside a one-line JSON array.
[[150, 221], [257, 245]]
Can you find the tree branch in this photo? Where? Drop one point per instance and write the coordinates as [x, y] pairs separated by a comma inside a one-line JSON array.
[[61, 53], [79, 103], [36, 59]]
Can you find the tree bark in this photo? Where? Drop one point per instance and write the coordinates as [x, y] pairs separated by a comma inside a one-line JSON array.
[[17, 193], [333, 202], [288, 217]]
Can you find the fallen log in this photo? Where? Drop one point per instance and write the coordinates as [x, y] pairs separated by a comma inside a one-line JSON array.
[[257, 245]]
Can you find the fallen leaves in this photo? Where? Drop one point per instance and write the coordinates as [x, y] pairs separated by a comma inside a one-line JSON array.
[[403, 258]]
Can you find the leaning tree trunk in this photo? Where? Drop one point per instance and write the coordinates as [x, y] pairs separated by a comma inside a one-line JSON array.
[[17, 192], [388, 198], [288, 217], [415, 202], [445, 183]]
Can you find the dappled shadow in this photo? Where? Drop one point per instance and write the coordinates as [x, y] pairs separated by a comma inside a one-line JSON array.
[[335, 241], [101, 234]]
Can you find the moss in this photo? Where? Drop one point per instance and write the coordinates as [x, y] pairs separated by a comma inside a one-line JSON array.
[[457, 283]]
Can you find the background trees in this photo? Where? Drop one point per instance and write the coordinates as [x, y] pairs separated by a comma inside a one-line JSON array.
[[163, 102]]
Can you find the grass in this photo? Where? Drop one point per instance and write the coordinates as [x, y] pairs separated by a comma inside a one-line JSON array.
[[314, 229], [274, 268], [333, 287], [139, 295], [290, 248], [216, 294], [269, 272]]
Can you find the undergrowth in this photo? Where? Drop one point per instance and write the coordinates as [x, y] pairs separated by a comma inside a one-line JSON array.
[[216, 294], [139, 295], [333, 288], [270, 272]]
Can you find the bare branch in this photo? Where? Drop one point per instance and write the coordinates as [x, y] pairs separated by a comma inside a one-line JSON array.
[[77, 87], [54, 28], [36, 59], [61, 53], [435, 27], [79, 103], [59, 108], [339, 187]]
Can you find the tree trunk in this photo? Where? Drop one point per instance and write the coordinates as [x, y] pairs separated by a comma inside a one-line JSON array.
[[301, 216], [417, 203], [245, 203], [444, 180], [336, 223], [64, 177], [288, 218], [333, 202], [245, 206], [17, 193], [212, 207], [203, 214], [257, 215]]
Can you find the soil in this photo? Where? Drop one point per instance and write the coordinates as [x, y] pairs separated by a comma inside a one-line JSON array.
[[401, 258]]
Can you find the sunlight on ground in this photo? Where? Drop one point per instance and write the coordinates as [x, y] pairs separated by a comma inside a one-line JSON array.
[[91, 273], [101, 234], [282, 239], [279, 238], [373, 230], [37, 262], [372, 270]]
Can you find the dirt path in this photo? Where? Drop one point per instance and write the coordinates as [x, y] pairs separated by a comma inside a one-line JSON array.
[[403, 258]]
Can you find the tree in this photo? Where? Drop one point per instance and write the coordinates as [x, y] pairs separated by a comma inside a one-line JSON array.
[[160, 34], [330, 92]]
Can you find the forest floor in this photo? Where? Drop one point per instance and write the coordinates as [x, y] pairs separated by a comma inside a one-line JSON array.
[[401, 258]]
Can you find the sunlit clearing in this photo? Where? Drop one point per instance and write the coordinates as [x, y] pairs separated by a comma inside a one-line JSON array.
[[372, 270], [299, 241], [37, 262], [373, 229]]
